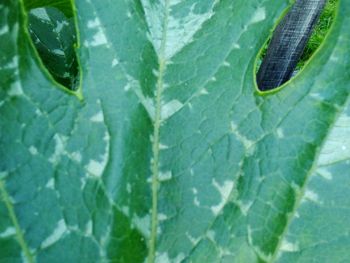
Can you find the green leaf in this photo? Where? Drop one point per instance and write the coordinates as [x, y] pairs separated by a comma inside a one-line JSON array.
[[173, 155], [64, 6], [54, 37]]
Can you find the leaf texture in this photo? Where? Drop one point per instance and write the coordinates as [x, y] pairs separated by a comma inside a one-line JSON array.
[[173, 155]]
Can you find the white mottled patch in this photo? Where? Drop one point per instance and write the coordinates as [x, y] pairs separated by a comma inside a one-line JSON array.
[[211, 235], [13, 63], [125, 210], [165, 176], [127, 87], [203, 91], [226, 64], [337, 145], [192, 239], [95, 168], [41, 13], [99, 37], [76, 156], [244, 207], [224, 191], [147, 102], [94, 23], [16, 89], [58, 52], [289, 247], [195, 200], [162, 217], [60, 25], [33, 150], [170, 108], [259, 15], [159, 230], [74, 227], [142, 224], [325, 173], [82, 182], [236, 46], [115, 62], [149, 179], [50, 184], [104, 240], [98, 117], [89, 228], [38, 112], [311, 196], [164, 258], [280, 133], [58, 232], [334, 58], [60, 145], [180, 30], [155, 72], [163, 146], [4, 30], [128, 188], [317, 96], [10, 231], [248, 144]]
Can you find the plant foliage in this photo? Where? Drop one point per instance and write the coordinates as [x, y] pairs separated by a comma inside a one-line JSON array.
[[167, 152]]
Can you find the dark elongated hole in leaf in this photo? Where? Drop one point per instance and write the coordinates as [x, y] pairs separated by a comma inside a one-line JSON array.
[[54, 36], [295, 39]]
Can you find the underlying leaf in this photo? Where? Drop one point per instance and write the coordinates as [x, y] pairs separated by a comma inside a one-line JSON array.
[[173, 155], [54, 37], [64, 6]]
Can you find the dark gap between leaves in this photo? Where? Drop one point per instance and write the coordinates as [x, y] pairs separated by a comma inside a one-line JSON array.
[[54, 37], [294, 41]]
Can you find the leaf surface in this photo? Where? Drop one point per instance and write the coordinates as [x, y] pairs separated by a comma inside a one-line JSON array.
[[173, 155]]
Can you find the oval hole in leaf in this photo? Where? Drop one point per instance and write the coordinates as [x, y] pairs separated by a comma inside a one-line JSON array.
[[54, 36], [293, 42]]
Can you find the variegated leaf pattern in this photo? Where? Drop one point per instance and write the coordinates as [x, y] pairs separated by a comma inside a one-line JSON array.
[[167, 152]]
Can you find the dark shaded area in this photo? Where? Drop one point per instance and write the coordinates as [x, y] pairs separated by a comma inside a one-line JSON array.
[[54, 37], [65, 6], [288, 43]]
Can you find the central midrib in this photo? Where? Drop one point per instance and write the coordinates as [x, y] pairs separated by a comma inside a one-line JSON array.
[[156, 135]]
